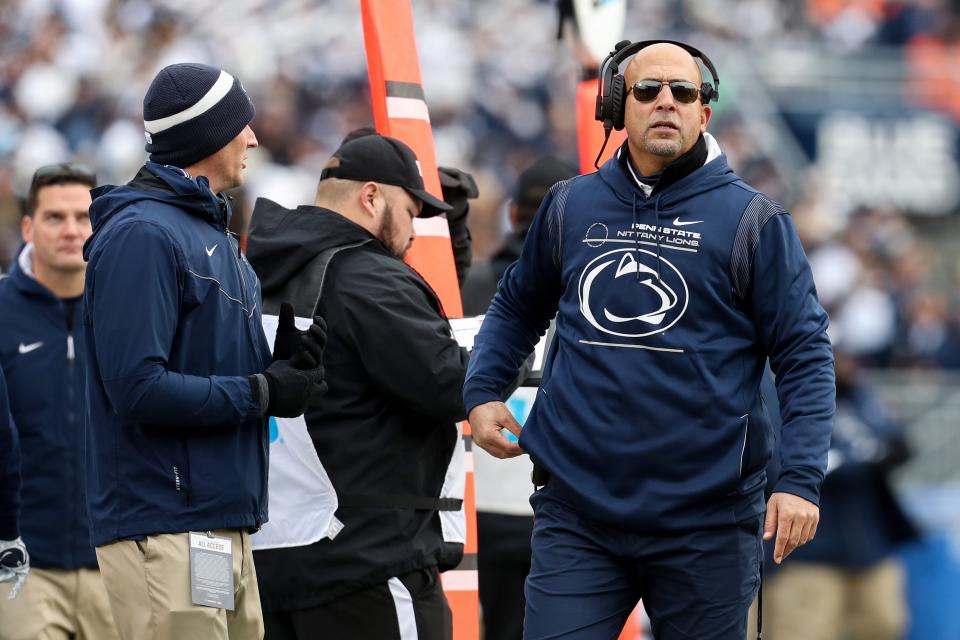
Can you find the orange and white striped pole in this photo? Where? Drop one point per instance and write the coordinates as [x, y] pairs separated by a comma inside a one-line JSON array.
[[590, 130], [400, 110]]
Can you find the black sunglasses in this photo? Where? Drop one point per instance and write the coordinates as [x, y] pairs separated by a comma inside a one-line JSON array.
[[64, 170], [683, 91]]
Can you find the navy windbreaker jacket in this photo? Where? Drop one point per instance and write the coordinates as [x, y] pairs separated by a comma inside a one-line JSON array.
[[648, 416], [9, 470], [41, 352], [171, 314]]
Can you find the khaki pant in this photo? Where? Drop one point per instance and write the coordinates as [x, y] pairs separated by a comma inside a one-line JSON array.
[[806, 601], [148, 582], [57, 605]]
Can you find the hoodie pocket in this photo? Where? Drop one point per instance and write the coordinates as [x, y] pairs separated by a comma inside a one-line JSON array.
[[758, 445], [743, 448], [730, 450], [755, 452]]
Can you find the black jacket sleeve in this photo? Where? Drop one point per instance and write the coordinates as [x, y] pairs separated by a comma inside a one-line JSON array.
[[404, 342]]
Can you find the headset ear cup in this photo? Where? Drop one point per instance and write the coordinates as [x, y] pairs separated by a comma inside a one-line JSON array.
[[618, 94], [707, 93]]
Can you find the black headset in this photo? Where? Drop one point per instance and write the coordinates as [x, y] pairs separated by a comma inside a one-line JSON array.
[[612, 88]]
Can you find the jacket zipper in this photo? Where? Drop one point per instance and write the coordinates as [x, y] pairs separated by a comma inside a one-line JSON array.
[[235, 250], [72, 425], [263, 424], [236, 260]]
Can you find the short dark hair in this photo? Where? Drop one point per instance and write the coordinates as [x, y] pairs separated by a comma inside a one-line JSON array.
[[60, 173]]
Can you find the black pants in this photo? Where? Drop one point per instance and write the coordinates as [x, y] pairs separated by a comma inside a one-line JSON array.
[[409, 607], [503, 559]]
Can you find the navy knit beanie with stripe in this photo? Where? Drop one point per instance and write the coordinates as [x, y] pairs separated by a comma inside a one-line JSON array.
[[192, 111]]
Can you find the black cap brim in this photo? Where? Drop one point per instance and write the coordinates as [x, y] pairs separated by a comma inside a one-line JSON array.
[[432, 206]]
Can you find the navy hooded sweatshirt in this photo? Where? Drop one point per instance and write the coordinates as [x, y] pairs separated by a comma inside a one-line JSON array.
[[171, 312], [668, 305], [42, 355], [9, 470]]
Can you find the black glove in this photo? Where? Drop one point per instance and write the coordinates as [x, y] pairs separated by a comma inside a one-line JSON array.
[[292, 384], [287, 341], [459, 186]]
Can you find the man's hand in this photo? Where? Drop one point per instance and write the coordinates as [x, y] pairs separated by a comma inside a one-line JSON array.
[[793, 519], [294, 383], [14, 564], [487, 421]]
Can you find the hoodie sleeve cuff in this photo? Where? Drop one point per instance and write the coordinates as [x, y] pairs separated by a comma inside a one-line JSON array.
[[801, 482], [260, 389], [475, 398], [9, 529]]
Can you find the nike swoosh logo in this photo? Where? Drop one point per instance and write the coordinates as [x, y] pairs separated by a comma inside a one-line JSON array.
[[677, 223], [27, 348], [211, 250]]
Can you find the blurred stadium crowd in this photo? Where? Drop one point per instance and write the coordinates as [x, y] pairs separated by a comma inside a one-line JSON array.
[[500, 87]]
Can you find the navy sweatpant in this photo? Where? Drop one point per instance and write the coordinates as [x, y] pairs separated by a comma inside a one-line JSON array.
[[586, 578]]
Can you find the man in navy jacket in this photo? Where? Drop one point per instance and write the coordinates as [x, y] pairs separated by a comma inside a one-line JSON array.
[[14, 560], [672, 282], [41, 352], [180, 379]]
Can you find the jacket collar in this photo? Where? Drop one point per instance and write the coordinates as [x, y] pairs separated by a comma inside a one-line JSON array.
[[22, 276], [703, 151]]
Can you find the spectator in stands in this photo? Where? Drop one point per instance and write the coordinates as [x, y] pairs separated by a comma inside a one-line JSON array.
[[532, 185]]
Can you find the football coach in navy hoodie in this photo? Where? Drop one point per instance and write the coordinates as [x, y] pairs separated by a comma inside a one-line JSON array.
[[180, 378], [673, 282]]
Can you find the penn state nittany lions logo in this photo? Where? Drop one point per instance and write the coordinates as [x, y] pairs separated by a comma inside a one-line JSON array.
[[622, 295]]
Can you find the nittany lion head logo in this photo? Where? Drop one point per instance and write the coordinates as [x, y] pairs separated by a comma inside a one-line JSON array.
[[621, 293]]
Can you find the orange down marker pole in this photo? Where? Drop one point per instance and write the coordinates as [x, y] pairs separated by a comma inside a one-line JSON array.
[[590, 130], [400, 111]]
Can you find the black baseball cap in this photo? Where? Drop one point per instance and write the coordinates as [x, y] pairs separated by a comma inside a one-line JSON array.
[[378, 158], [534, 183]]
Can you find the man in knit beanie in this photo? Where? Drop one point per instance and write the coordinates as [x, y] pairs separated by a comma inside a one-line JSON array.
[[181, 379]]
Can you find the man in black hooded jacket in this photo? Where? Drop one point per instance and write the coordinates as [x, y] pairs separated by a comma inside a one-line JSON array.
[[386, 431]]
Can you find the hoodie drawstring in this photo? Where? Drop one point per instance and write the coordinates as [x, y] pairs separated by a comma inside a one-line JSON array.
[[656, 213], [636, 233]]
